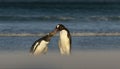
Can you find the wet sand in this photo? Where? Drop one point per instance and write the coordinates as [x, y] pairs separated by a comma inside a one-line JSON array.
[[84, 59]]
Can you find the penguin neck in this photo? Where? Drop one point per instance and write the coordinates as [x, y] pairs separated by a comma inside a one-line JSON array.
[[46, 38]]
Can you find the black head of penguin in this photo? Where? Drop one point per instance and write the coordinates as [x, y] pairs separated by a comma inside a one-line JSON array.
[[60, 27]]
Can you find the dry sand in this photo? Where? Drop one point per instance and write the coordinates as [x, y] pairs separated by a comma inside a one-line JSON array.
[[85, 59]]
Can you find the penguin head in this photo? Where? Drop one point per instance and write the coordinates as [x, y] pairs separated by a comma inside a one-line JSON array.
[[48, 36], [60, 27]]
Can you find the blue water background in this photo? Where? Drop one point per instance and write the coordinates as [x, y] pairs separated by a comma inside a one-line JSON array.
[[34, 18]]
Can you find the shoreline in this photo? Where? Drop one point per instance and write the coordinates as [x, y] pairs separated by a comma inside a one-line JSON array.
[[72, 34]]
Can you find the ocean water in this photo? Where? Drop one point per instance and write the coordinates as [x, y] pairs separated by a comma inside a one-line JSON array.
[[40, 18]]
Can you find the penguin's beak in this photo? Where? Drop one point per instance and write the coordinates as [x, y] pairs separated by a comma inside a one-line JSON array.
[[56, 30], [53, 32]]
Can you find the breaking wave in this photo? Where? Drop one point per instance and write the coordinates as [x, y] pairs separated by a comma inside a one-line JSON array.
[[58, 18], [72, 34], [38, 18]]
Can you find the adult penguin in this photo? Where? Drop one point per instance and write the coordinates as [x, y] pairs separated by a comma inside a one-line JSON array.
[[64, 40], [40, 46]]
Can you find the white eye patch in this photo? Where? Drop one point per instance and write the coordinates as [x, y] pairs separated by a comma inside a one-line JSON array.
[[57, 26]]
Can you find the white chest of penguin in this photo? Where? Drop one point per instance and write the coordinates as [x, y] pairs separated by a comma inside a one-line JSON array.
[[43, 44], [41, 47], [64, 40]]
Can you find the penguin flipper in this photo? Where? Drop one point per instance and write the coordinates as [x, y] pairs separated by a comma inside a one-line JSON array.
[[34, 46]]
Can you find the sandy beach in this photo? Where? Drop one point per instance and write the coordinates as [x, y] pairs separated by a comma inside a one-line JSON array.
[[85, 59]]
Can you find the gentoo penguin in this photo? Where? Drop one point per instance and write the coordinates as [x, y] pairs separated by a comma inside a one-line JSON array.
[[64, 40], [39, 47]]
